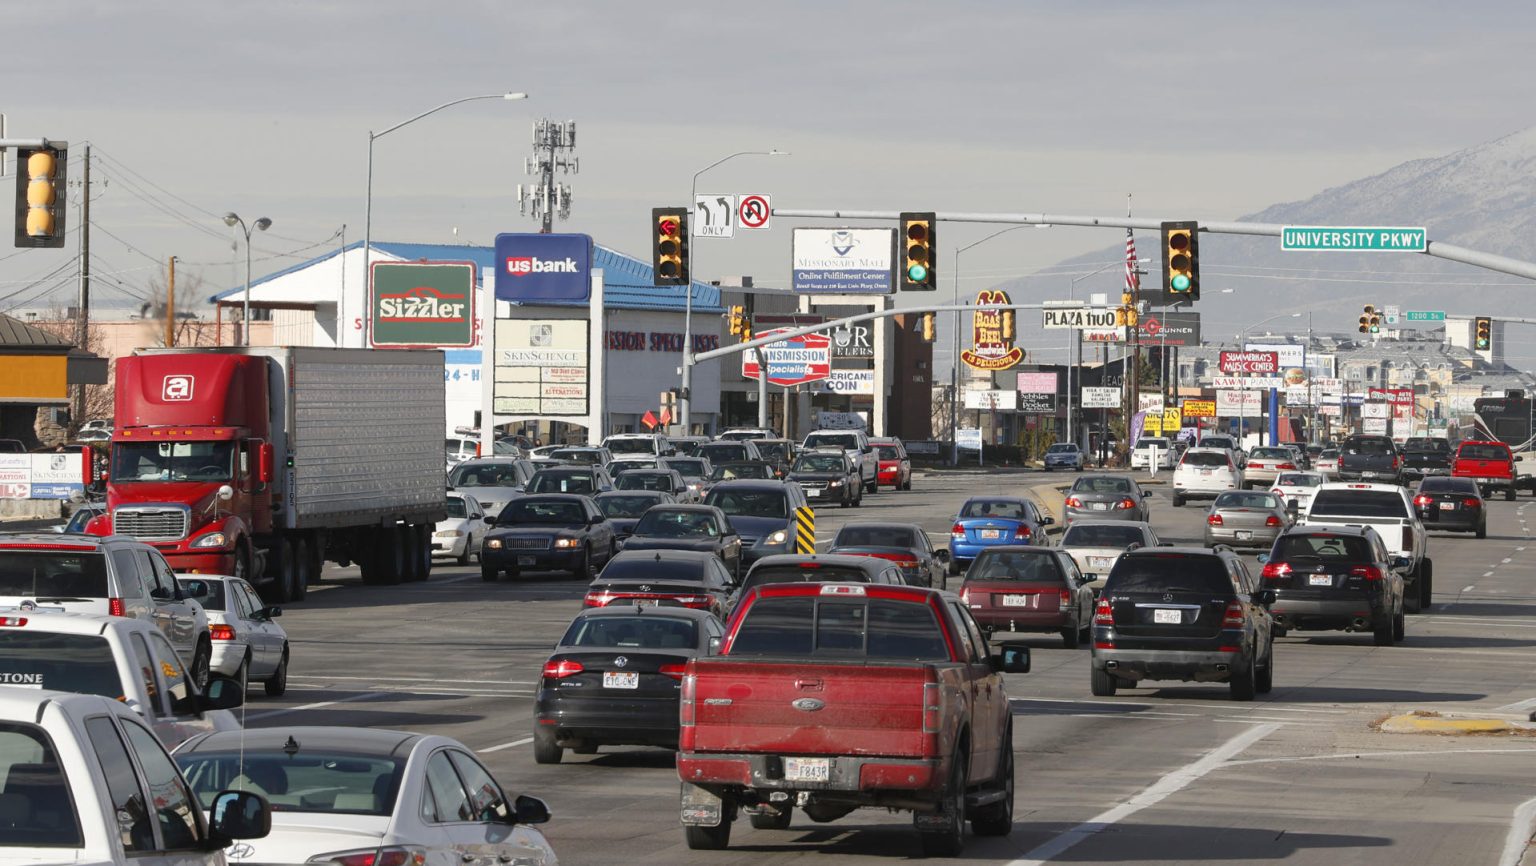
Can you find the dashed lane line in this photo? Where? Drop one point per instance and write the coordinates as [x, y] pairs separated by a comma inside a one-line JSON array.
[[515, 743], [315, 706]]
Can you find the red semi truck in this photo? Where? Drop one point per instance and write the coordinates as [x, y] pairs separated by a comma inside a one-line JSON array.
[[828, 697], [267, 462]]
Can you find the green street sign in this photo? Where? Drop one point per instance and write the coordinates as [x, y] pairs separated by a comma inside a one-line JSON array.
[[1424, 316], [422, 304], [1378, 239]]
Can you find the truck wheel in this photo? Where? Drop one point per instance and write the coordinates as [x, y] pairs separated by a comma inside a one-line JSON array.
[[1509, 494], [1069, 636], [996, 819], [1426, 584], [242, 567], [1411, 598], [776, 819], [392, 565], [277, 684], [545, 749], [420, 544], [708, 838], [1244, 682], [1103, 684], [950, 841], [302, 561]]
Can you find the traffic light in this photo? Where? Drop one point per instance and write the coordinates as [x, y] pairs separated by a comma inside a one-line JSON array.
[[746, 328], [669, 246], [736, 319], [39, 200], [1366, 313], [1181, 259], [1482, 333], [1008, 325], [926, 325], [917, 239]]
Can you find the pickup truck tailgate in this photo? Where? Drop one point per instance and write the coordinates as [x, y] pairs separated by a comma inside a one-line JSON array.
[[824, 709]]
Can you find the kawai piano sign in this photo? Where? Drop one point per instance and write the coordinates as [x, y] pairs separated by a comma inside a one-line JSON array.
[[791, 361]]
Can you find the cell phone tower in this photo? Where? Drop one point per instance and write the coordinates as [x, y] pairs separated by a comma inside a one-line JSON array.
[[544, 198]]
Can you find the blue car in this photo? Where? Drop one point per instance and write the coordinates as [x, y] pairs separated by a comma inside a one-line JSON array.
[[988, 521]]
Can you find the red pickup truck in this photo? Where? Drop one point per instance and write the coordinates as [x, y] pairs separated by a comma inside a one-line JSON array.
[[829, 697], [1490, 464]]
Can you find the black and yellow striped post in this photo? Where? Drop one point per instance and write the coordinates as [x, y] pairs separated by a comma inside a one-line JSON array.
[[805, 529]]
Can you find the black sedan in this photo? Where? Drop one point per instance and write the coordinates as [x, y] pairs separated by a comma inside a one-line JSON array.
[[905, 544], [828, 476], [703, 528], [1451, 505], [623, 508], [616, 678], [816, 568], [548, 532], [665, 578]]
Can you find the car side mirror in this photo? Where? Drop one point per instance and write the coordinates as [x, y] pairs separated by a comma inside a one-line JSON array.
[[1265, 597], [714, 646], [1402, 563], [222, 693], [942, 554], [1047, 521], [1012, 658], [238, 815], [530, 810], [1262, 558], [272, 611], [160, 593], [490, 518], [595, 519]]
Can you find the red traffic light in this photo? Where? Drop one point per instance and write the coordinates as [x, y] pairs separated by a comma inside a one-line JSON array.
[[917, 232], [667, 226]]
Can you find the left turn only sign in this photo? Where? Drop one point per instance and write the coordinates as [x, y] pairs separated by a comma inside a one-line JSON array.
[[714, 216]]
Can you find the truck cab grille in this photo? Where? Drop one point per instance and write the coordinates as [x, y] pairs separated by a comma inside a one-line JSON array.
[[152, 523]]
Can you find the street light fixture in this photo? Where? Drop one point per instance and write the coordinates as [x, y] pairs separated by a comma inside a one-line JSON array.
[[233, 219], [368, 206], [685, 400], [1074, 338], [954, 360]]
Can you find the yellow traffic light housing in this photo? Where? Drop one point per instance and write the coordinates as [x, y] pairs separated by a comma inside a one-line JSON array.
[[1482, 333], [926, 325], [735, 319], [40, 176], [669, 246], [917, 257], [1181, 259], [1007, 323]]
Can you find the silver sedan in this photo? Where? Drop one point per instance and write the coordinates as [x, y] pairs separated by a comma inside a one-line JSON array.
[[1245, 519], [1106, 497]]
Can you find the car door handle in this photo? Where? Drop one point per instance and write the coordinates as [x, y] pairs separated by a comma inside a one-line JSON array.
[[467, 858]]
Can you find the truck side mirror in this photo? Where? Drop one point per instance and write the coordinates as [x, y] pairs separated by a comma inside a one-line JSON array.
[[264, 458]]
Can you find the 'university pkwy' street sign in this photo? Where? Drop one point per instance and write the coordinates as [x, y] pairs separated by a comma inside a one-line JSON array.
[[1391, 239]]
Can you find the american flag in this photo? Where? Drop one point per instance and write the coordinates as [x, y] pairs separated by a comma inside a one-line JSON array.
[[1132, 281]]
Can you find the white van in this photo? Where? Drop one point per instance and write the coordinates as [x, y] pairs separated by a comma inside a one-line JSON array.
[[1205, 473], [637, 446]]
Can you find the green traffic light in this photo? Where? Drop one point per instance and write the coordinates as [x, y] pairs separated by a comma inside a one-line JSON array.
[[1180, 283], [917, 273]]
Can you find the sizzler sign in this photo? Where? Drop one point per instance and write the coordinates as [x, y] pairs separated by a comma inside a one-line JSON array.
[[422, 304]]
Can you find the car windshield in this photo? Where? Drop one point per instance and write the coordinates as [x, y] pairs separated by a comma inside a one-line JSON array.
[[874, 536], [750, 503], [208, 593], [561, 482], [723, 452], [35, 785], [727, 471], [1483, 452], [644, 481], [1328, 454], [773, 450], [687, 466], [1217, 442], [456, 507], [305, 781], [638, 632], [1299, 479], [849, 441], [1033, 567], [809, 572], [53, 574], [1089, 535], [173, 461], [1102, 484], [625, 506], [537, 511], [61, 662], [1152, 443], [873, 628], [1322, 546], [1272, 454], [888, 452], [1204, 460], [1168, 572], [1358, 503], [630, 446], [1061, 448], [1247, 500], [578, 455], [1001, 508], [484, 475], [819, 463], [665, 523], [78, 520]]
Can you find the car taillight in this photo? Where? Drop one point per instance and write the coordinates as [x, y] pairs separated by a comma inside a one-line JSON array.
[[1234, 615], [933, 707], [1126, 503], [389, 856], [115, 607], [594, 599], [675, 671], [1408, 539], [1369, 572], [1066, 597], [1286, 466], [1215, 520], [1272, 521], [1397, 462], [219, 631], [1103, 614], [1471, 503], [1276, 570], [957, 531], [559, 670], [695, 602], [686, 716], [1023, 533], [1421, 500], [1074, 502], [12, 621], [965, 594]]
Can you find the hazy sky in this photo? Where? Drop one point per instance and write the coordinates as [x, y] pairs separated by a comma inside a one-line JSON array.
[[1208, 110]]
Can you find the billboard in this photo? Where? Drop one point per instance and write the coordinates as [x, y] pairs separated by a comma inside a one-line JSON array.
[[991, 400], [853, 341], [1287, 354], [1170, 329], [535, 267], [541, 367], [1229, 403], [846, 382], [990, 349], [422, 304], [843, 261], [55, 475], [794, 361], [1100, 398], [1253, 361], [1199, 408]]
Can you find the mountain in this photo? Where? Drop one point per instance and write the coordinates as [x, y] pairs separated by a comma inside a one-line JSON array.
[[1483, 198]]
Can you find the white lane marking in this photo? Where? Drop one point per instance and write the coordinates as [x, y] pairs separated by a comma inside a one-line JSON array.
[[1158, 791], [1521, 827], [1505, 561], [1296, 759], [1468, 587], [1519, 550], [1518, 706], [1487, 574], [1150, 704], [315, 706], [515, 743], [419, 680]]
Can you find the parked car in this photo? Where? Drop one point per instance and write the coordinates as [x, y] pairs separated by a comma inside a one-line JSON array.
[[700, 528], [461, 534], [894, 467], [492, 481], [76, 796], [248, 644], [112, 575], [668, 481], [693, 579], [1451, 505], [83, 515], [1147, 446], [548, 532], [1245, 518], [1096, 545], [817, 568], [1029, 589], [1490, 464], [1063, 455], [615, 679], [1296, 487], [368, 796], [1106, 497], [1369, 457], [1183, 613], [1205, 473], [624, 508], [579, 480], [987, 521], [1265, 465], [828, 475], [905, 544], [856, 443], [1338, 578], [763, 512]]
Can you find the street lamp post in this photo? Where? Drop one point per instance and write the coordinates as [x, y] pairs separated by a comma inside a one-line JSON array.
[[368, 205], [954, 360], [685, 399], [233, 219], [1074, 339]]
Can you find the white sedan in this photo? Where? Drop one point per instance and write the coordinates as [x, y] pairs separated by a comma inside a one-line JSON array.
[[1298, 487], [248, 645], [1096, 545], [460, 534], [362, 796]]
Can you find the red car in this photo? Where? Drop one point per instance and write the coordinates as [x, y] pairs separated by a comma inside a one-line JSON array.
[[895, 468], [1490, 464]]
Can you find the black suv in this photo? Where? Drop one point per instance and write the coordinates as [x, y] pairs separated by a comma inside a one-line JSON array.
[[1183, 613], [828, 476], [1336, 578]]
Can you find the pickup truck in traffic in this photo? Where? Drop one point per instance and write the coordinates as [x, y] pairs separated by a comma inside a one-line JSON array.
[[828, 697], [856, 443], [1425, 456], [1490, 464], [1389, 510], [1367, 458]]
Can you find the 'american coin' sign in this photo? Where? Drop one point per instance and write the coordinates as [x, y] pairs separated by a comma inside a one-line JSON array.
[[422, 304]]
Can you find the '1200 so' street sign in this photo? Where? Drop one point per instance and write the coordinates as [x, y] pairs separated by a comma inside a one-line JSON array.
[[422, 304]]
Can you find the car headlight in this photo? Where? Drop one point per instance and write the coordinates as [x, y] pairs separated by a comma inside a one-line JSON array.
[[212, 539], [567, 543], [834, 484], [449, 533], [778, 536], [493, 543]]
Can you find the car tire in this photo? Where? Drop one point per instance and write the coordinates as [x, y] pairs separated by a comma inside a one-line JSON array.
[[907, 485], [583, 569], [1381, 631], [1509, 494], [1103, 684], [953, 568], [202, 663], [950, 841], [277, 684], [1085, 636], [1482, 529], [1243, 684], [489, 574], [463, 558], [243, 673], [1426, 584], [847, 500], [716, 838], [1071, 638], [1411, 598], [778, 819], [1264, 680], [1399, 626], [1178, 501], [545, 749], [996, 819]]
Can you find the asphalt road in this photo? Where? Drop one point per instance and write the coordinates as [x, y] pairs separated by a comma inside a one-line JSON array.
[[1175, 774]]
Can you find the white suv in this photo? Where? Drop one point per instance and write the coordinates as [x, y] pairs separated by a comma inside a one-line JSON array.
[[1146, 446], [1205, 473]]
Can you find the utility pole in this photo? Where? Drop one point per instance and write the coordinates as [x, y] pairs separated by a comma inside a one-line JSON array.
[[83, 301], [170, 306], [546, 197]]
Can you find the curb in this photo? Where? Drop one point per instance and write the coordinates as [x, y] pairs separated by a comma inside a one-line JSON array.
[[1428, 722]]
